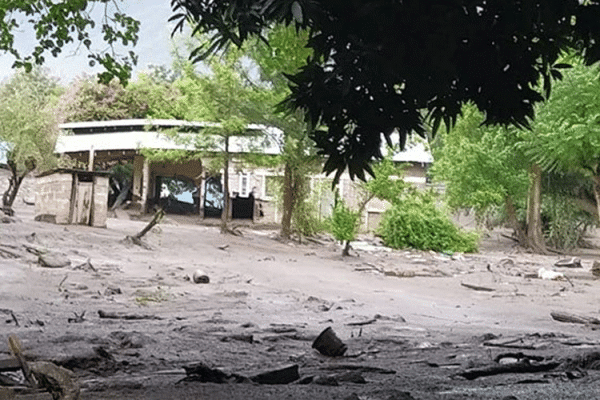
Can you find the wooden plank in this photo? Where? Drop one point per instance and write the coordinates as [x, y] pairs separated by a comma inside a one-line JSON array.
[[11, 364]]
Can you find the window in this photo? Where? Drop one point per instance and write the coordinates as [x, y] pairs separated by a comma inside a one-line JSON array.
[[244, 185]]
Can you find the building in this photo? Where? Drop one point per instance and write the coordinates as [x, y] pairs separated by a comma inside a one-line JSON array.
[[193, 185]]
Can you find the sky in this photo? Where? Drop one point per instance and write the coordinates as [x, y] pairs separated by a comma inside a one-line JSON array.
[[154, 45]]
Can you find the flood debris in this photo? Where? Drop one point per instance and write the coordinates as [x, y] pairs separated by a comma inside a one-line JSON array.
[[112, 290], [573, 318], [53, 260], [200, 372], [137, 238], [116, 315], [596, 268], [58, 381], [573, 262], [549, 275], [328, 344], [280, 376], [200, 276], [79, 318], [476, 287], [521, 366], [86, 266]]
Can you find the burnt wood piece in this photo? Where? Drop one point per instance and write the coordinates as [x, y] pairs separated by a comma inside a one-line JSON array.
[[281, 376], [573, 318], [10, 364], [521, 367], [114, 315]]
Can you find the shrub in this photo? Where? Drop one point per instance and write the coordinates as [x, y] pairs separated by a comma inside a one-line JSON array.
[[344, 224], [564, 222], [416, 222]]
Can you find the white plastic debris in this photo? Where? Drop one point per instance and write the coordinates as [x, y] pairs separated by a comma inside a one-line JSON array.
[[550, 275]]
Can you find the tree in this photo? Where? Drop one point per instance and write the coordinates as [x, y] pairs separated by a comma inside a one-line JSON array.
[[54, 24], [482, 167], [89, 100], [567, 129], [284, 55], [344, 225], [377, 64], [219, 96], [28, 127]]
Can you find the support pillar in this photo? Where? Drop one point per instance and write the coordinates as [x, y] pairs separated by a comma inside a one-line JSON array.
[[145, 185]]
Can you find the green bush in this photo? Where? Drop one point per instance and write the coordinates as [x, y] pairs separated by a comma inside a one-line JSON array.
[[306, 220], [416, 222], [564, 222], [344, 223]]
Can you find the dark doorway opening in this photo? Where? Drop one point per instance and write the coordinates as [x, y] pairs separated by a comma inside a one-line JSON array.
[[242, 207], [213, 197]]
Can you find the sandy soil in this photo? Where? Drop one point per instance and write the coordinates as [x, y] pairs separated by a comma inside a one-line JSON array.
[[413, 321]]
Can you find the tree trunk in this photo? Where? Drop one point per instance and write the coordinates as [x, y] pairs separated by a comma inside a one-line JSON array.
[[346, 249], [225, 214], [289, 200], [14, 183], [535, 238], [514, 222], [597, 193]]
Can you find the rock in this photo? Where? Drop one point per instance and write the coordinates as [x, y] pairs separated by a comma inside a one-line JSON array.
[[200, 277], [281, 376], [60, 382], [572, 262], [326, 381], [401, 396], [53, 260], [352, 377], [50, 218], [596, 268], [111, 291]]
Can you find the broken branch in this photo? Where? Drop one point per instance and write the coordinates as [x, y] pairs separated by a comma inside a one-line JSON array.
[[574, 319], [114, 315]]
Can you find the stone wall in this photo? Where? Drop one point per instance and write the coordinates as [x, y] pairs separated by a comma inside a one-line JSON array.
[[53, 197]]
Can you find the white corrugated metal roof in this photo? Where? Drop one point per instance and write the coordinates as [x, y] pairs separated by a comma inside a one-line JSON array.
[[414, 152], [153, 139]]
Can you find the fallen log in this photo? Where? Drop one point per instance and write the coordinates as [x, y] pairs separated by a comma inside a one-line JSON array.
[[573, 318], [521, 367], [114, 315], [137, 238], [478, 288]]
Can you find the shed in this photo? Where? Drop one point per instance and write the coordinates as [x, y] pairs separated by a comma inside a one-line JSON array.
[[69, 196]]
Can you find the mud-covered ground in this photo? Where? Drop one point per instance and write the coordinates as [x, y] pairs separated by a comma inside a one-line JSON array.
[[416, 324]]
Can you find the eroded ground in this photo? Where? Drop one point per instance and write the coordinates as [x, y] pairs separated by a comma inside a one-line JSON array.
[[413, 321]]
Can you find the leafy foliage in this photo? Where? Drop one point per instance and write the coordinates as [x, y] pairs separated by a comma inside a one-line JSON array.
[[344, 222], [567, 129], [415, 222], [479, 165], [565, 223], [88, 100], [57, 23], [28, 126], [377, 64]]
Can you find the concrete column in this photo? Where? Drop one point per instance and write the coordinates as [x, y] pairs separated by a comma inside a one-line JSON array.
[[91, 155], [145, 185]]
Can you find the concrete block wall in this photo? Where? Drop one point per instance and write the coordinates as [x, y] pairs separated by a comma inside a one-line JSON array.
[[53, 196], [100, 212]]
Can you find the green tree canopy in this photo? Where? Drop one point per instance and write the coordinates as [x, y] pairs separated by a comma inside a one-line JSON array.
[[54, 24], [28, 127], [377, 64]]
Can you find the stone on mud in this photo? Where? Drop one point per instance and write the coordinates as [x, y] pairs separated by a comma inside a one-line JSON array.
[[53, 260]]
